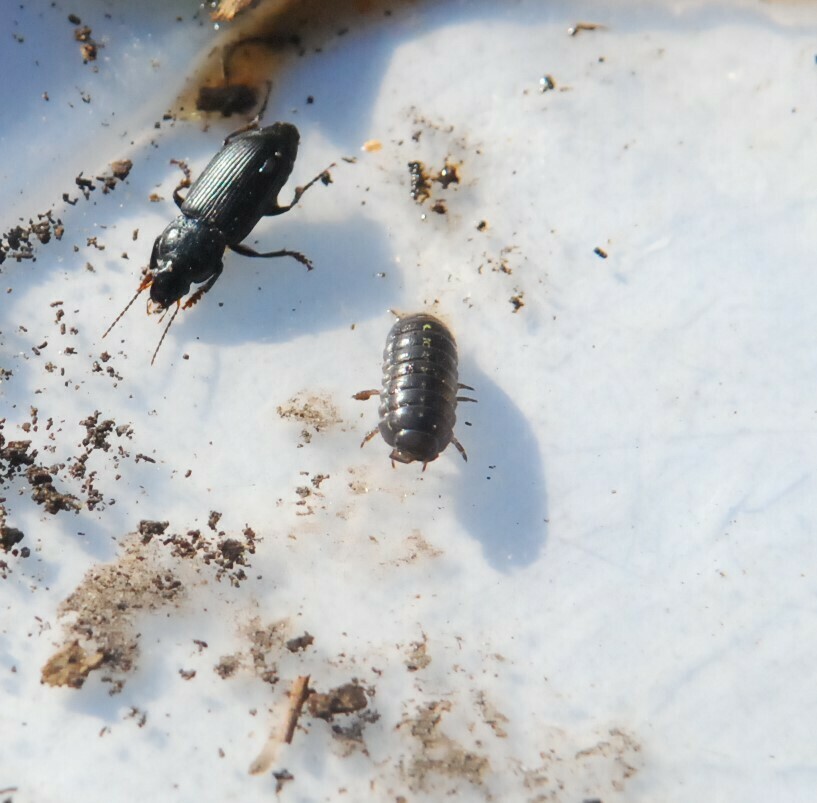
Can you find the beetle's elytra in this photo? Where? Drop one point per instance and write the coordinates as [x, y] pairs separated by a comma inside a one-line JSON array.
[[238, 187], [418, 399]]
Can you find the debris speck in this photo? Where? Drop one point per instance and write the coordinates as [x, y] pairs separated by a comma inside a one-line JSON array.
[[70, 666], [344, 699], [300, 643], [517, 301]]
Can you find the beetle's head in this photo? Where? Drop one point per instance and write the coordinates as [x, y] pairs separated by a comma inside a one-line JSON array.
[[167, 287], [186, 251]]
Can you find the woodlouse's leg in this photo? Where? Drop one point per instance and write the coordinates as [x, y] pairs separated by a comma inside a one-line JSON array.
[[369, 436], [465, 398], [460, 449], [363, 395]]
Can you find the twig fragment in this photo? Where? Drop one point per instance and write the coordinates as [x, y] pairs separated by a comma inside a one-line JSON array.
[[269, 752]]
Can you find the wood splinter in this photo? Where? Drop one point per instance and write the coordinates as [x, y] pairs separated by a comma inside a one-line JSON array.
[[297, 697]]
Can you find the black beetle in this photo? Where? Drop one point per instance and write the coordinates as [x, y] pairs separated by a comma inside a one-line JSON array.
[[238, 187], [418, 400]]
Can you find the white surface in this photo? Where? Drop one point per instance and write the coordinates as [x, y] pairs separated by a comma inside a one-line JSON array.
[[630, 545]]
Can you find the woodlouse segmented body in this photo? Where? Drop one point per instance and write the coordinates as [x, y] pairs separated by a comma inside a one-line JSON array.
[[418, 399]]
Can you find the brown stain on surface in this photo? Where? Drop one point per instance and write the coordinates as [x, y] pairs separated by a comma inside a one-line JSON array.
[[260, 40], [103, 607], [438, 754]]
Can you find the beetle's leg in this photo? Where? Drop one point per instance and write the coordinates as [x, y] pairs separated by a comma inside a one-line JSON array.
[[249, 252], [460, 448], [324, 176], [207, 286], [363, 395], [464, 387], [369, 436], [260, 113], [253, 125], [465, 398], [183, 183]]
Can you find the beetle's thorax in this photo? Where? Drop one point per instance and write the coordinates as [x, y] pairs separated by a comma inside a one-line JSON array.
[[187, 251]]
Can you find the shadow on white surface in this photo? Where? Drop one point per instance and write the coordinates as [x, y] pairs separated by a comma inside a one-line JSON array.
[[501, 494]]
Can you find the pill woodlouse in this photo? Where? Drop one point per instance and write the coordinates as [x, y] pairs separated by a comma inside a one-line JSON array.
[[238, 187], [418, 400]]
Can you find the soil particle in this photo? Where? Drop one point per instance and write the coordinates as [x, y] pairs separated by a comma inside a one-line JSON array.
[[97, 432], [227, 666], [229, 555], [232, 552], [267, 642], [317, 412], [344, 699], [18, 242], [120, 169], [281, 779], [70, 666], [17, 455], [517, 301], [14, 455], [300, 643], [44, 493], [147, 529], [418, 658], [10, 537], [88, 47], [448, 175], [420, 179]]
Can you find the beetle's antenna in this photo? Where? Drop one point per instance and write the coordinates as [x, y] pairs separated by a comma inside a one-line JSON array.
[[162, 338], [143, 285]]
